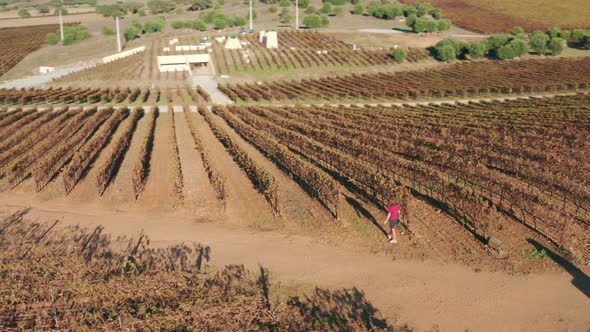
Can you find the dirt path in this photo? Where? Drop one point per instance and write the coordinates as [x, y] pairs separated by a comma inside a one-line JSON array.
[[199, 196], [158, 193], [422, 293], [244, 203], [296, 205], [120, 190]]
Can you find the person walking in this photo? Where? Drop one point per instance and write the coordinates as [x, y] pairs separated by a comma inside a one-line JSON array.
[[393, 212]]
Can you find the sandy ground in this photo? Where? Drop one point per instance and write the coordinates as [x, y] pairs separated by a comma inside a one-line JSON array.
[[424, 294]]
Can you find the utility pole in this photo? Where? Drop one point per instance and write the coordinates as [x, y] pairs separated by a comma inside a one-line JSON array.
[[296, 14], [251, 25], [118, 35], [61, 26]]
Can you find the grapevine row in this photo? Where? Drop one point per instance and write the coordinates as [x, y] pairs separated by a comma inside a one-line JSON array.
[[142, 166]]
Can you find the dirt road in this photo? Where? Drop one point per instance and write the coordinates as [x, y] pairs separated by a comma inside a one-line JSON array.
[[422, 293]]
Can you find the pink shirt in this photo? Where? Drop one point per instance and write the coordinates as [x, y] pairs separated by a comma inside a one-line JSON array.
[[394, 211]]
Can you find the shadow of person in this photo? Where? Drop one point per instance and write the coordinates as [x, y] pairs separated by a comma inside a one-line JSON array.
[[361, 211], [580, 279]]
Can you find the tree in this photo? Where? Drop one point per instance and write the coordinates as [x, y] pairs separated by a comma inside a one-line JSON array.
[[161, 6], [565, 35], [497, 41], [539, 41], [303, 4], [556, 46], [520, 47], [153, 26], [411, 20], [131, 33], [358, 9], [447, 53], [52, 38], [554, 32], [436, 13], [114, 10], [398, 54], [517, 31], [443, 25], [585, 42], [506, 52], [132, 7], [423, 8], [24, 12], [477, 50], [312, 21], [578, 34]]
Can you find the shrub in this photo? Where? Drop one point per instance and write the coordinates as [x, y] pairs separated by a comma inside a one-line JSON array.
[[178, 25], [236, 21], [585, 42], [310, 10], [197, 25], [286, 16], [398, 54], [339, 2], [52, 38], [43, 9], [219, 23], [69, 39], [358, 9], [141, 12], [132, 7], [107, 31], [326, 8], [556, 46], [517, 31], [200, 4], [161, 6], [131, 33], [24, 12], [325, 21], [153, 26], [273, 9], [285, 3], [338, 10]]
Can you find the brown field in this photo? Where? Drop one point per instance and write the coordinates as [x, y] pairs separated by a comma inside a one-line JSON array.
[[489, 16]]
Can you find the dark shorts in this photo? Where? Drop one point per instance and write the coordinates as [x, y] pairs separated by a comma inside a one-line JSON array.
[[393, 223]]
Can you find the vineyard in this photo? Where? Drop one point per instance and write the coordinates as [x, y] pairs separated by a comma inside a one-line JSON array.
[[76, 278], [101, 96], [500, 170], [502, 16], [472, 79], [466, 159], [16, 43]]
